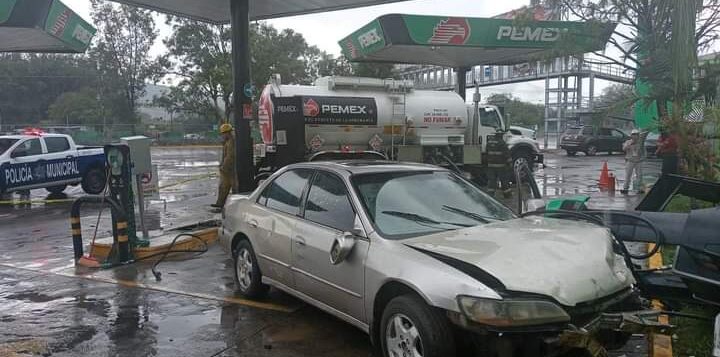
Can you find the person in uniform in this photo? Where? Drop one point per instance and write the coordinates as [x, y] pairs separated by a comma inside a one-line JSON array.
[[499, 164], [227, 166], [667, 150], [634, 156]]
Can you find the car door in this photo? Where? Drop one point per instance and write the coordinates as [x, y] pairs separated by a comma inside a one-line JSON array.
[[272, 224], [605, 139], [26, 166], [62, 164], [329, 213]]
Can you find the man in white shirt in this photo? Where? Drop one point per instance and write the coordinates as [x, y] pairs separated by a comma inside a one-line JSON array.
[[634, 156]]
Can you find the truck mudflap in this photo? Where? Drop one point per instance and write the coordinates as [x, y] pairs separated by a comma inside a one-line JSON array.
[[635, 322], [538, 158]]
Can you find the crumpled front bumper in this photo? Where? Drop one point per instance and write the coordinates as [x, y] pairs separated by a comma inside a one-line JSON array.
[[636, 322]]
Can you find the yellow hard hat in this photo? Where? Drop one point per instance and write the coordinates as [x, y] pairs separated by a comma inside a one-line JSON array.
[[225, 128]]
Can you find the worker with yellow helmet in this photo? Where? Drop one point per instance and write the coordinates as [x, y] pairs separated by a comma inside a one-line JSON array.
[[227, 165]]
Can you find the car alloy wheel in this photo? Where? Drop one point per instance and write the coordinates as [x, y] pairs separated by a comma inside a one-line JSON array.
[[403, 338], [248, 276], [591, 150], [244, 269]]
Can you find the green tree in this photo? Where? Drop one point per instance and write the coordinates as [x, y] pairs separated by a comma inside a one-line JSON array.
[[519, 112], [78, 107], [30, 83], [374, 70], [199, 54], [122, 53]]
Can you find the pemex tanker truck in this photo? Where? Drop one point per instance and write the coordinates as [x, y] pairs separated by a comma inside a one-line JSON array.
[[340, 118]]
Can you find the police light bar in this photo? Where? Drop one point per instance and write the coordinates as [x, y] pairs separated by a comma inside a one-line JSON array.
[[33, 131]]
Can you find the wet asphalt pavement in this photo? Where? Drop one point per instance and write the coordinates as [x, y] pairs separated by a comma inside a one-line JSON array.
[[49, 307]]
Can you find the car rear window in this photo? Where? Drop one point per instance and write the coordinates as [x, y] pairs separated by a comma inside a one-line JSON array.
[[286, 191], [57, 144]]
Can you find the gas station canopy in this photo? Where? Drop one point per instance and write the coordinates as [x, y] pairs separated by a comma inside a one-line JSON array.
[[42, 26], [466, 42], [218, 11]]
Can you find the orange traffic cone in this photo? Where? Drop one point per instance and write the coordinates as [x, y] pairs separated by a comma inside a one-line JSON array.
[[604, 177]]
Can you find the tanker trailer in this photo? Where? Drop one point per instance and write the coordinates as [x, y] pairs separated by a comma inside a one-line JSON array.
[[368, 118]]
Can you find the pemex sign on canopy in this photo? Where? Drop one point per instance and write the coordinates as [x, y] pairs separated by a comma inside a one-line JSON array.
[[69, 27], [413, 35], [42, 26]]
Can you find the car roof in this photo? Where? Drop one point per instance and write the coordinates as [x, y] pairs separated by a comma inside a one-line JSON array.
[[366, 166], [26, 136]]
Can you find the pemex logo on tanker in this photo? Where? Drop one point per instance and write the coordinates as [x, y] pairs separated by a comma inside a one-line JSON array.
[[20, 174]]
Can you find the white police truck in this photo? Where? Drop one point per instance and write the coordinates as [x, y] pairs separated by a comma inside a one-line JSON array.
[[50, 161]]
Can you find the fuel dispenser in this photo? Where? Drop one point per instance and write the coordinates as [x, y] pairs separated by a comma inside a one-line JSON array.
[[120, 188], [123, 161]]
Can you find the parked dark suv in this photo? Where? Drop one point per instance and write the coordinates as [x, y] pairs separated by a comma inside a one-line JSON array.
[[591, 140]]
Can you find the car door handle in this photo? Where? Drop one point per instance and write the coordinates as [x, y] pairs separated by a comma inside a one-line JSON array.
[[300, 241], [253, 223]]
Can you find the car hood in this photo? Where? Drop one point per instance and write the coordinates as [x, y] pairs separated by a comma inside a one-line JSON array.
[[572, 262]]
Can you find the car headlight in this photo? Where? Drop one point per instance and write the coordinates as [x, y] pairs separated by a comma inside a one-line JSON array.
[[511, 312]]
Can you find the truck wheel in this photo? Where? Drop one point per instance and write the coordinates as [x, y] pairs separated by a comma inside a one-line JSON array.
[[56, 190], [522, 157], [94, 181], [409, 327]]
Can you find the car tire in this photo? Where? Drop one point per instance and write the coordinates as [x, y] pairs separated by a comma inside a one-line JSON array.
[[56, 190], [571, 153], [591, 150], [409, 327], [94, 181], [248, 278]]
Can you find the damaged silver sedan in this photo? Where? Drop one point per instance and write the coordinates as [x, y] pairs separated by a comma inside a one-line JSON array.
[[425, 262]]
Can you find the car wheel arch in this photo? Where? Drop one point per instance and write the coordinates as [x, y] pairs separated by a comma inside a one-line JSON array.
[[388, 291], [237, 238]]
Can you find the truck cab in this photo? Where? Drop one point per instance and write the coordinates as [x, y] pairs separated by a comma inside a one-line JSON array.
[[51, 161], [524, 150]]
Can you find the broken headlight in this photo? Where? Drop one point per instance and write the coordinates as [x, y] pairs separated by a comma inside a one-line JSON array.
[[507, 313]]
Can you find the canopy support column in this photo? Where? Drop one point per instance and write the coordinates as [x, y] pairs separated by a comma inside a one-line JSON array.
[[241, 100], [460, 80]]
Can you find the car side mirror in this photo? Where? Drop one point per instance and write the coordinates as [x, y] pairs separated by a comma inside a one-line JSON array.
[[343, 244]]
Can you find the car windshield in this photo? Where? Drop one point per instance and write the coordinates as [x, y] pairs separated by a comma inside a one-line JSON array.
[[5, 144], [409, 204]]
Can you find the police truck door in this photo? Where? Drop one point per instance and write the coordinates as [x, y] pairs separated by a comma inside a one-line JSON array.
[[62, 162], [21, 173]]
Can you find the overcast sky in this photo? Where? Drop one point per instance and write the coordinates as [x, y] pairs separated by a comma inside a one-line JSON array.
[[326, 29]]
